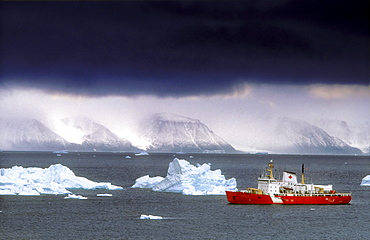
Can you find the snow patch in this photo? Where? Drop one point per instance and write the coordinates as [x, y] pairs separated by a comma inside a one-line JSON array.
[[188, 179]]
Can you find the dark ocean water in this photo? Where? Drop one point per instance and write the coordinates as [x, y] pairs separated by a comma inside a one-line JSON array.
[[185, 217]]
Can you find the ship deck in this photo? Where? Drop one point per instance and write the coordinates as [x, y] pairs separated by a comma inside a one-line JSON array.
[[302, 194]]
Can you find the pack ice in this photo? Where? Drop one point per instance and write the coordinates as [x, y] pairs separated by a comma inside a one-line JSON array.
[[53, 180], [189, 180], [366, 181]]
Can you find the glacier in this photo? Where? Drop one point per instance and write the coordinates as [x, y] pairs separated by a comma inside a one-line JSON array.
[[182, 177], [56, 179], [366, 181]]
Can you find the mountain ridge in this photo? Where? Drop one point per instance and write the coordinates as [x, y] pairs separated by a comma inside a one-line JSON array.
[[175, 133], [168, 132], [298, 136], [28, 134], [31, 134]]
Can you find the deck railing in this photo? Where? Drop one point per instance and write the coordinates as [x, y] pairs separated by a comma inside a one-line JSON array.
[[300, 194]]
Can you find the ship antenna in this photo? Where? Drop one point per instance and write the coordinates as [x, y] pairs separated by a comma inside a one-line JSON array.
[[271, 165], [302, 173]]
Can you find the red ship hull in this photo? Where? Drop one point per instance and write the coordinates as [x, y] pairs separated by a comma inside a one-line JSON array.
[[240, 197]]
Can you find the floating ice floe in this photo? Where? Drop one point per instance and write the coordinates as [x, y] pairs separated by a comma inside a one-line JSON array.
[[62, 151], [143, 153], [104, 195], [143, 216], [366, 181], [56, 179], [188, 179], [73, 196]]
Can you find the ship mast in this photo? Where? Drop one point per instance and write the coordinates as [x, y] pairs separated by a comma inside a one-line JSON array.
[[302, 173], [271, 166]]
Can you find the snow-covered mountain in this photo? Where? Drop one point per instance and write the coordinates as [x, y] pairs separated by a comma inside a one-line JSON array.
[[167, 132], [297, 136], [355, 135], [88, 135], [28, 134]]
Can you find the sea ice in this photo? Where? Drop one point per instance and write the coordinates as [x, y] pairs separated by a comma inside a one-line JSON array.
[[53, 180], [62, 151], [143, 216], [141, 154], [366, 181], [189, 180], [73, 196], [104, 195]]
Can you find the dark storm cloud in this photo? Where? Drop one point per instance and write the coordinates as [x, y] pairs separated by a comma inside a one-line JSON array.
[[170, 48]]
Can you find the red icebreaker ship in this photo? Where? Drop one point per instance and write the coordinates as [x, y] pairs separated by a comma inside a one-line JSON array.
[[287, 191]]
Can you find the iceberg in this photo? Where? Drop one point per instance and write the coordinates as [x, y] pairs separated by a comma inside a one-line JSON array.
[[56, 179], [366, 181], [188, 179], [147, 182]]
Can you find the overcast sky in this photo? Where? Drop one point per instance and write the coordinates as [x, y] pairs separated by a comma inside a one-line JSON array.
[[222, 62]]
